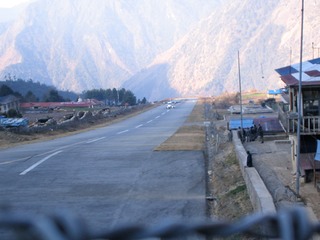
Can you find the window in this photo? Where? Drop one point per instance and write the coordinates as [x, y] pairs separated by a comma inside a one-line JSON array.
[[311, 99]]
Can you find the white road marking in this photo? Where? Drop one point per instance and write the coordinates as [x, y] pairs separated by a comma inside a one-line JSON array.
[[17, 160], [123, 132], [150, 121], [139, 126], [60, 148], [94, 140], [38, 163], [157, 117], [42, 154], [163, 113]]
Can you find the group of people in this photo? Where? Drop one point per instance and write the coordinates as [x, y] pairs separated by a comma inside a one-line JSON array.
[[252, 133], [249, 135]]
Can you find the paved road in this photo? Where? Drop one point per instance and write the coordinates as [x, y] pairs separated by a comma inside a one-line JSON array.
[[110, 175]]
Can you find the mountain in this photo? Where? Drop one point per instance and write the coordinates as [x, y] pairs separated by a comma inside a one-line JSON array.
[[205, 61], [157, 49], [82, 44]]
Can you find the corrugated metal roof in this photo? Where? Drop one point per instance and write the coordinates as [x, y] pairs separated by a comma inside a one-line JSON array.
[[274, 91], [269, 124], [13, 122], [236, 123], [310, 75]]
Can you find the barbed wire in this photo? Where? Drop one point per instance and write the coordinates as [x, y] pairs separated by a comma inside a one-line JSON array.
[[287, 224]]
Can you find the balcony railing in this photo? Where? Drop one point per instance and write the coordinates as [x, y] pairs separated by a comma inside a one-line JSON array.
[[308, 125]]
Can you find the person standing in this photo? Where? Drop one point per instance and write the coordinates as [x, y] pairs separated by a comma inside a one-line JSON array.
[[230, 136], [260, 132], [249, 159]]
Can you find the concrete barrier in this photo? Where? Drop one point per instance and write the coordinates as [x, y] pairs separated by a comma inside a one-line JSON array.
[[260, 197]]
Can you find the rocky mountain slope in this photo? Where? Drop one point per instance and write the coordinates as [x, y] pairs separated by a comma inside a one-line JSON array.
[[158, 49], [266, 34], [83, 44]]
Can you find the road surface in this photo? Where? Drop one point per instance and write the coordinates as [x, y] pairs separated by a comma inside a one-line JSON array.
[[111, 175]]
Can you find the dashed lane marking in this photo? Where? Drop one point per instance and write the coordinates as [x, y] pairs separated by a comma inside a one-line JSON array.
[[123, 132], [38, 163], [95, 140]]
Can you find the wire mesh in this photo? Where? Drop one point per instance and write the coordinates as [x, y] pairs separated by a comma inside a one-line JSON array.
[[287, 224]]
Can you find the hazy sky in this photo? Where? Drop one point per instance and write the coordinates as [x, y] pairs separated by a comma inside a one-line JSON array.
[[11, 3]]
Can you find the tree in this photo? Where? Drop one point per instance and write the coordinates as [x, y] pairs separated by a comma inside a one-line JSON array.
[[115, 96], [5, 91], [121, 94], [109, 95], [53, 96], [99, 94], [30, 97], [129, 98], [144, 100]]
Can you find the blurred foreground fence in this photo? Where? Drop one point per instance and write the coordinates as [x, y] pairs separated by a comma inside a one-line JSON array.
[[287, 224]]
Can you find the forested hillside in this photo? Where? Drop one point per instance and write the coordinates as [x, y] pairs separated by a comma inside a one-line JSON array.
[[39, 90], [29, 91]]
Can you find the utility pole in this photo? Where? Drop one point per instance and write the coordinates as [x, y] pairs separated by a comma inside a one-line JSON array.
[[240, 93], [299, 107]]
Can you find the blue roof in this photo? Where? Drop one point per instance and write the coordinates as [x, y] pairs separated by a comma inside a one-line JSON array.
[[310, 72], [13, 122], [286, 70], [315, 61], [236, 123], [275, 92]]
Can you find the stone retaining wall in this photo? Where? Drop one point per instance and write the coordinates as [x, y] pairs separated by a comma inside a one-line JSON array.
[[260, 197]]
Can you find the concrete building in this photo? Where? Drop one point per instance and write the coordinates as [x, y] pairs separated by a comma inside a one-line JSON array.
[[9, 102]]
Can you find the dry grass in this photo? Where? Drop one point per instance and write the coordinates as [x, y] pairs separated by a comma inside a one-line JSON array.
[[186, 138], [228, 186], [189, 137]]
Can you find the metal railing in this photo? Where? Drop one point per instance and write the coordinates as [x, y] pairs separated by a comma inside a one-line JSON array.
[[287, 224]]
